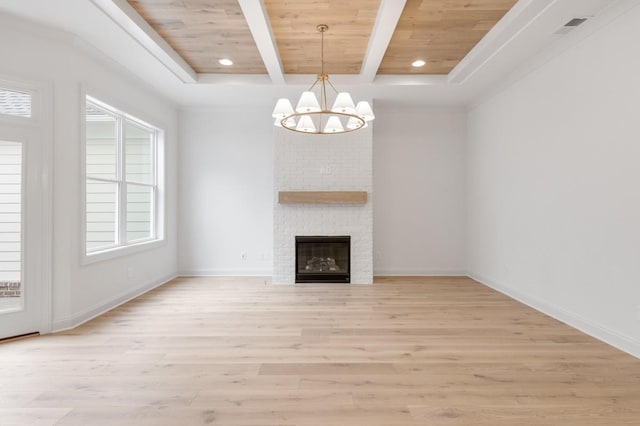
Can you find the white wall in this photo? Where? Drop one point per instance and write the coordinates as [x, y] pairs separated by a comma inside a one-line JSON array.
[[419, 183], [53, 58], [226, 190], [554, 204]]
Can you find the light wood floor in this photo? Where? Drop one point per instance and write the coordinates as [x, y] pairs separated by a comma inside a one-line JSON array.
[[421, 351]]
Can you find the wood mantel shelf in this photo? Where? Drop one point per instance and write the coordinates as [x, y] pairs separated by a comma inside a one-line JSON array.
[[322, 197]]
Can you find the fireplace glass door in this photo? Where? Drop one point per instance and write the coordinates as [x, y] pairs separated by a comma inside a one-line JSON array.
[[323, 259]]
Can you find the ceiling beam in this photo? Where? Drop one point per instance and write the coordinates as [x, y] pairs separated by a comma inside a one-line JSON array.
[[528, 27], [258, 21], [123, 14], [383, 29], [514, 23], [234, 79]]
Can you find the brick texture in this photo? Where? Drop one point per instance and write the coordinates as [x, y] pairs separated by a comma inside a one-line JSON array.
[[323, 163], [10, 289]]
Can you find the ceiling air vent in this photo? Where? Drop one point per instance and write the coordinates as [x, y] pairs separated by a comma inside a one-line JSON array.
[[569, 26], [575, 22]]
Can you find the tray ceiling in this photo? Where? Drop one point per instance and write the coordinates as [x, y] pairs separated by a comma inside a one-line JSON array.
[[441, 32], [203, 32]]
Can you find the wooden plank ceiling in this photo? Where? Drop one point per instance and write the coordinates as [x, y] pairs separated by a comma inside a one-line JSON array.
[[294, 26], [441, 32], [203, 32]]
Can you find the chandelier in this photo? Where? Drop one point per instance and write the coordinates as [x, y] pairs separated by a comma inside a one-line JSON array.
[[311, 116]]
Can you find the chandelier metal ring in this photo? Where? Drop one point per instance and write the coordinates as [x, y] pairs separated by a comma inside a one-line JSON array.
[[315, 117], [359, 121]]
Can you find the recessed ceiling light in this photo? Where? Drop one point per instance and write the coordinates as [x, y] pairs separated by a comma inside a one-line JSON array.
[[225, 62], [418, 63]]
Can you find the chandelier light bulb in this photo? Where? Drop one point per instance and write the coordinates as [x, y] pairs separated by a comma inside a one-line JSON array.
[[283, 109], [354, 123], [306, 124], [333, 125], [289, 122], [308, 103], [363, 109], [344, 104]]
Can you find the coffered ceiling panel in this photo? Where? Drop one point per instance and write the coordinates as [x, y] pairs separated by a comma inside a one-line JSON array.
[[294, 22], [203, 32], [440, 32]]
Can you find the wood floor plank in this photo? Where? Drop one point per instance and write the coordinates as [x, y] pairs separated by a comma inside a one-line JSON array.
[[239, 352], [310, 368], [253, 400], [32, 416], [525, 416]]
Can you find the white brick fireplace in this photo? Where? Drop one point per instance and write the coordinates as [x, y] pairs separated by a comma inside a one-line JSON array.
[[323, 163]]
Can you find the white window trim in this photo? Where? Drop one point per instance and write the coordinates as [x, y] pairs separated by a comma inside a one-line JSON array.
[[158, 219]]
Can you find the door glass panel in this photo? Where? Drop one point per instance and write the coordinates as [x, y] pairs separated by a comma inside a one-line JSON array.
[[102, 202], [139, 212], [15, 103], [11, 291]]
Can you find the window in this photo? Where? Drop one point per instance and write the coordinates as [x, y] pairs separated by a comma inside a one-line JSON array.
[[121, 168], [15, 103]]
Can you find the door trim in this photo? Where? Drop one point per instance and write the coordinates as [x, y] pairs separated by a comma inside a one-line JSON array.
[[42, 121], [46, 128]]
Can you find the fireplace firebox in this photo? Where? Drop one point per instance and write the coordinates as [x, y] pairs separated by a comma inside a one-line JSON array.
[[323, 259]]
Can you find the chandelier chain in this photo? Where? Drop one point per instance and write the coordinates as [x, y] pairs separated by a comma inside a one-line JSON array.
[[322, 50]]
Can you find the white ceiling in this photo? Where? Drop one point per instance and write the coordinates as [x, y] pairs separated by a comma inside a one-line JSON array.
[[524, 35]]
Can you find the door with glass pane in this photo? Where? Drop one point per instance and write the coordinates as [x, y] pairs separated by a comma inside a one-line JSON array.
[[20, 230]]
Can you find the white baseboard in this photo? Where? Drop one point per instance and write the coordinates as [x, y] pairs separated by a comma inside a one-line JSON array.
[[303, 284], [100, 308], [593, 329], [418, 272], [225, 273], [391, 272]]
